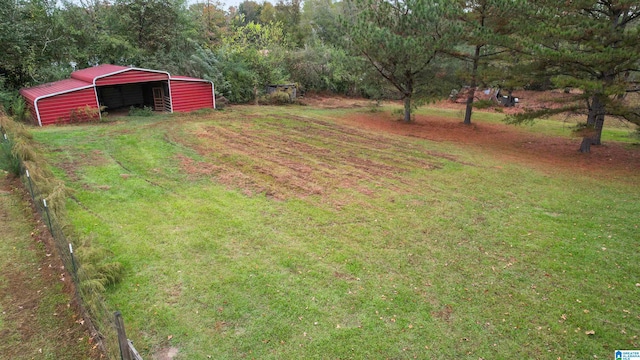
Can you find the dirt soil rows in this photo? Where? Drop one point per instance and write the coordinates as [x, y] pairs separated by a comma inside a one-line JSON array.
[[507, 142], [256, 157]]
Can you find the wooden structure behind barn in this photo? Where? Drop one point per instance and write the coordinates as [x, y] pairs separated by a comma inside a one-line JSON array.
[[290, 89]]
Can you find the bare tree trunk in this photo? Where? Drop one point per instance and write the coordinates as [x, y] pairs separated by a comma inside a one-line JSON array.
[[595, 122], [598, 129], [407, 108], [585, 146], [469, 108], [472, 86]]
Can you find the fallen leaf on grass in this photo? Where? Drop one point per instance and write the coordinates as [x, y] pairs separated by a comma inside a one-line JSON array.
[[169, 337]]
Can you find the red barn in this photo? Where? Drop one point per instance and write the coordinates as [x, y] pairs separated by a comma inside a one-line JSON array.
[[112, 87]]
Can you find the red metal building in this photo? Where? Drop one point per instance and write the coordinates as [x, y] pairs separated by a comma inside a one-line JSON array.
[[112, 87]]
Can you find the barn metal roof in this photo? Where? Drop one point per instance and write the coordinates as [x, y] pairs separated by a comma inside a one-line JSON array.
[[54, 88], [90, 74], [82, 79], [186, 78]]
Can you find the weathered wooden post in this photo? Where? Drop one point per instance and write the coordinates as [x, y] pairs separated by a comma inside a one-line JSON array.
[[125, 354]]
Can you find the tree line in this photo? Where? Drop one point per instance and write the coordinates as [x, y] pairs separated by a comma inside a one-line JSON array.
[[414, 50]]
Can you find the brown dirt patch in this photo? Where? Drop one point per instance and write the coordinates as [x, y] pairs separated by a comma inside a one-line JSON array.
[[80, 160], [166, 354], [506, 142], [444, 314], [311, 157], [511, 144]]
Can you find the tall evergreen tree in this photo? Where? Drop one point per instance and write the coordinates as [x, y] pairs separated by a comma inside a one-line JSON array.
[[401, 40], [590, 45], [485, 29]]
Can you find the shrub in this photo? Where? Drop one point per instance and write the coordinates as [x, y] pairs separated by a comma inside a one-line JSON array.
[[279, 98], [84, 114], [143, 111], [19, 110], [8, 159]]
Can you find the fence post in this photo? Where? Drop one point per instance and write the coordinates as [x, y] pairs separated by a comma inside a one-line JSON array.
[[30, 185], [73, 263], [46, 209], [125, 354]]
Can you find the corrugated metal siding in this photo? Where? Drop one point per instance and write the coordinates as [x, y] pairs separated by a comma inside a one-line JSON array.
[[131, 76], [61, 108], [191, 95]]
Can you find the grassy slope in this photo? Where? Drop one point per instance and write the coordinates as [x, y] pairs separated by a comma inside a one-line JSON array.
[[470, 258], [36, 322]]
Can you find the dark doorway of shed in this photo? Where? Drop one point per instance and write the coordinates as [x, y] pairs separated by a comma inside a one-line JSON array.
[[154, 95]]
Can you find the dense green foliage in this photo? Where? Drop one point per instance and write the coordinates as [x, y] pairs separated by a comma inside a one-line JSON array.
[[412, 50], [591, 46]]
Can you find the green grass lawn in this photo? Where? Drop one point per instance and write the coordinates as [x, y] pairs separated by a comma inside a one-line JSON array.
[[275, 233]]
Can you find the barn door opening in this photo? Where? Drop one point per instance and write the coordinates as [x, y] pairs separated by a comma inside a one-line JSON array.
[[158, 99]]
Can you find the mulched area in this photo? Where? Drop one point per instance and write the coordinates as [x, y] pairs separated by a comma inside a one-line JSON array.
[[512, 144], [507, 143]]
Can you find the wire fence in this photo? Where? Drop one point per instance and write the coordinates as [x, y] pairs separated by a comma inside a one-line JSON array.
[[106, 326]]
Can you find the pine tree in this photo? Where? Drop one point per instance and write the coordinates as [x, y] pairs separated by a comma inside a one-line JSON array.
[[485, 29], [590, 45], [401, 40]]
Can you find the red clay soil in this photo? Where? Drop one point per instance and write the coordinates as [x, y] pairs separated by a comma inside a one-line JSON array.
[[512, 144]]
